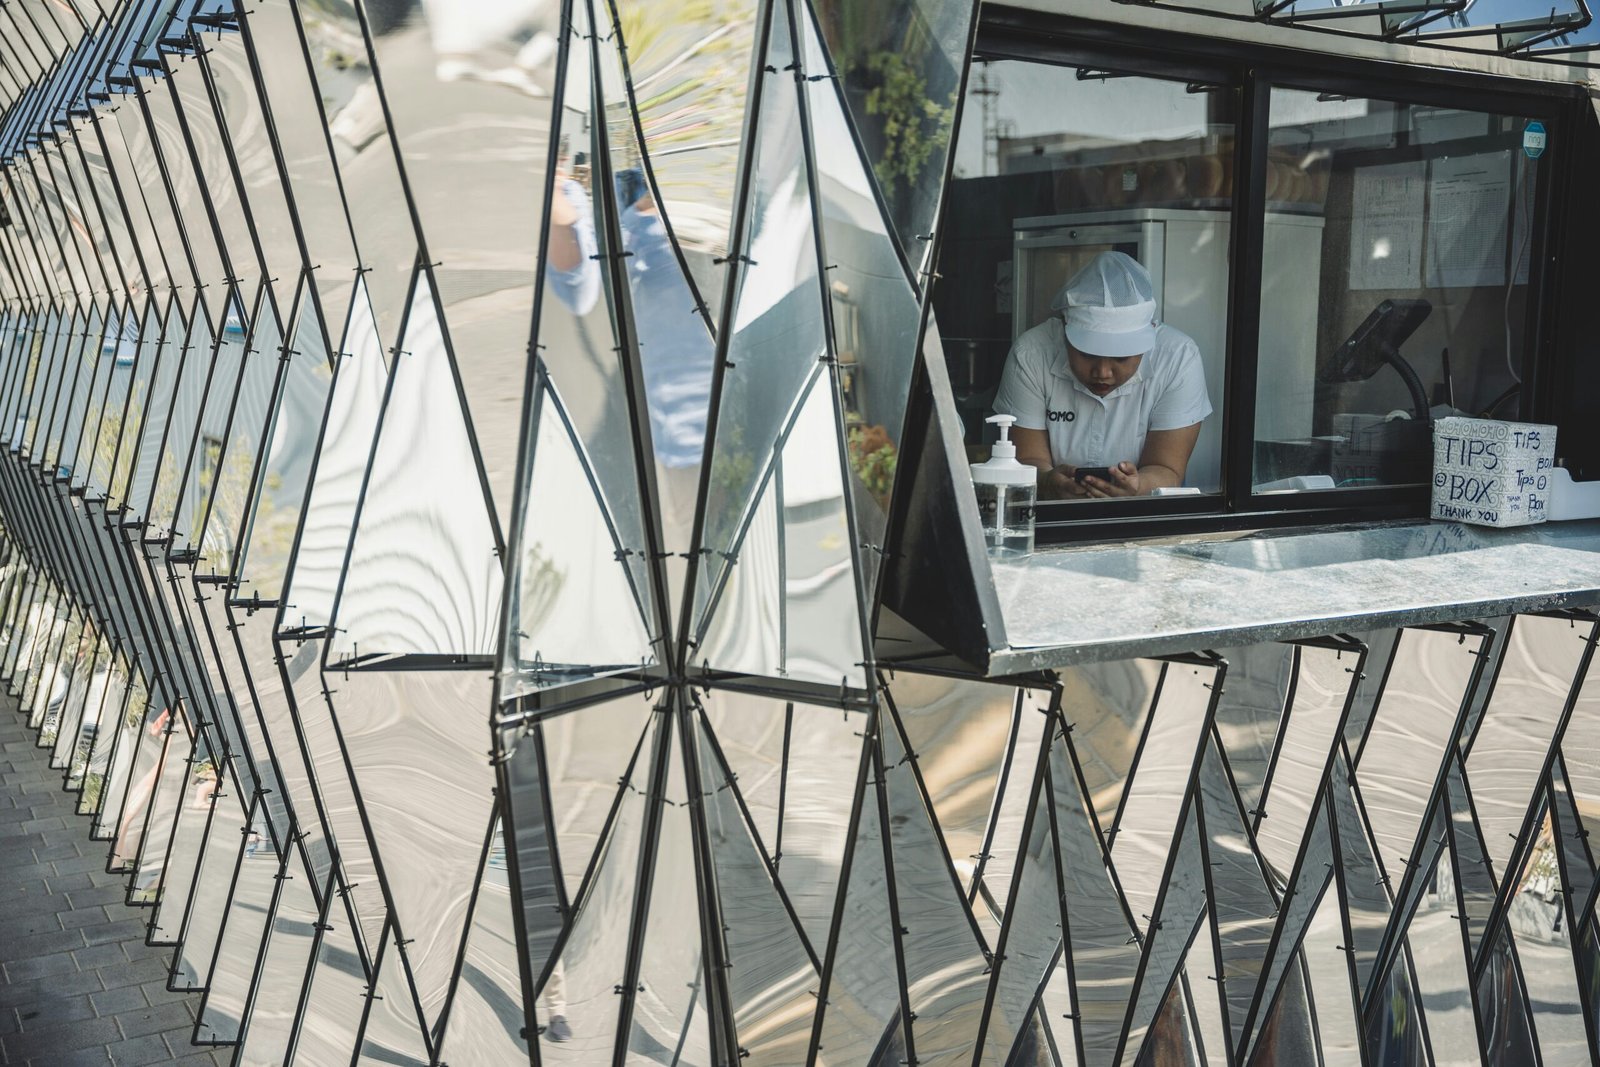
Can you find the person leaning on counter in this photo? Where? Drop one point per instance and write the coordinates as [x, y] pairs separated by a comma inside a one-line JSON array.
[[1103, 384]]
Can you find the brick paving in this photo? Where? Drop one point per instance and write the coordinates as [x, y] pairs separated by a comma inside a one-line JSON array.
[[78, 985]]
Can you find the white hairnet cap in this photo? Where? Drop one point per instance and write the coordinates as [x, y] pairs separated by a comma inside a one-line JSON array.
[[1110, 307]]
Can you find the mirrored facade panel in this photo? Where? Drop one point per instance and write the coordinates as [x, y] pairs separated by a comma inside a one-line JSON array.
[[246, 137], [900, 66], [787, 605], [136, 398], [688, 78], [669, 319], [194, 369], [313, 191], [774, 333], [234, 477], [169, 358], [468, 94], [283, 474], [573, 562], [486, 1021], [187, 188], [323, 537], [374, 201], [204, 455], [88, 376], [391, 723], [423, 576], [581, 433]]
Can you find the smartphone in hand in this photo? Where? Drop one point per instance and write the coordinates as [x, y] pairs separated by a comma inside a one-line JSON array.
[[1103, 473]]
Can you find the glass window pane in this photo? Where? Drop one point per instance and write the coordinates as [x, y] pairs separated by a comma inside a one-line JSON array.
[[1394, 285], [1061, 174]]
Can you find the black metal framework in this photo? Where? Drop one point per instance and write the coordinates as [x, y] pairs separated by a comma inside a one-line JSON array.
[[1255, 70]]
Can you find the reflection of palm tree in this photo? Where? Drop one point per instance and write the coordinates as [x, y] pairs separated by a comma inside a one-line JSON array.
[[541, 585], [688, 78]]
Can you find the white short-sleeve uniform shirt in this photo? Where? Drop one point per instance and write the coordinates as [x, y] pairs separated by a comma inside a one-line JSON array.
[[1167, 392]]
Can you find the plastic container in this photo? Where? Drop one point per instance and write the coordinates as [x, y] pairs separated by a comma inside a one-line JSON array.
[[1572, 500], [1007, 491]]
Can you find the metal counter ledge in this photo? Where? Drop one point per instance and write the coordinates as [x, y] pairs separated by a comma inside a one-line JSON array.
[[1080, 603]]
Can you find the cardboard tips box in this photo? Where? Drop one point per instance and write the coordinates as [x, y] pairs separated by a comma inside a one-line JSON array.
[[1492, 473]]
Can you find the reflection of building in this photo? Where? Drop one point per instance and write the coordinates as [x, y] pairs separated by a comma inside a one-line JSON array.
[[782, 768]]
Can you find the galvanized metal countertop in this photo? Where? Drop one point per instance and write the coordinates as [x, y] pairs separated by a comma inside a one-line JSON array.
[[1082, 603]]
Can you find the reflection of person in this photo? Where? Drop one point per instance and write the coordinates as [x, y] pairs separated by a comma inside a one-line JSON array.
[[570, 265], [131, 830], [674, 347], [554, 995], [1105, 385], [675, 353], [470, 41]]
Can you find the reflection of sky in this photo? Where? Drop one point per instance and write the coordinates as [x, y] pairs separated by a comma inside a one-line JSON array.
[[1038, 99], [1498, 12], [1490, 15]]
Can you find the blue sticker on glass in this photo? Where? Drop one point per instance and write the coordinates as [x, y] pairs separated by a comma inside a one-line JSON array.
[[1533, 140]]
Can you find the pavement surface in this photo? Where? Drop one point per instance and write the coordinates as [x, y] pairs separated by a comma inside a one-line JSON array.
[[78, 985]]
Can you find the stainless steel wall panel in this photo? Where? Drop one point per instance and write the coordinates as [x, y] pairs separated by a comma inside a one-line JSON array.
[[423, 575], [486, 1021], [357, 134], [415, 748]]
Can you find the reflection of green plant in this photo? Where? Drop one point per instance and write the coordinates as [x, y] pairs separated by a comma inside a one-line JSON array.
[[873, 457], [914, 126], [732, 468], [92, 784], [1543, 869], [231, 498], [689, 73], [127, 443]]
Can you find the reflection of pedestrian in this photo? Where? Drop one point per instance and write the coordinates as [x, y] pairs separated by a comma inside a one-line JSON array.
[[555, 998], [570, 266], [675, 352], [674, 345], [472, 41], [130, 832], [675, 348]]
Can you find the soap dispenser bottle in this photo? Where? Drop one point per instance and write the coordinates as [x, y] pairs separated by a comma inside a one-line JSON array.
[[1006, 492]]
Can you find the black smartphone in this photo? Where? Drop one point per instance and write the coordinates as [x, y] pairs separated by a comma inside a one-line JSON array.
[[1103, 473]]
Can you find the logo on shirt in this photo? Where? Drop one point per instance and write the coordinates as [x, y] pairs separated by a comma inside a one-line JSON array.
[[1063, 416]]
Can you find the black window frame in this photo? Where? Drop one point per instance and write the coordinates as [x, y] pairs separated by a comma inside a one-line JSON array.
[[1007, 33]]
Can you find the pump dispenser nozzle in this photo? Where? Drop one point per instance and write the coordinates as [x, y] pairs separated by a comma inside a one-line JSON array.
[[1004, 448], [1002, 467]]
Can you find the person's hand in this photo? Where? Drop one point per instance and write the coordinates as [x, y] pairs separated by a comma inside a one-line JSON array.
[[565, 254], [562, 210], [1124, 482], [1061, 483]]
